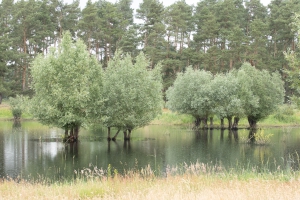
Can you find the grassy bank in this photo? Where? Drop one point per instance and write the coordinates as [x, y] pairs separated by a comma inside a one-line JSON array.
[[284, 116], [279, 118], [198, 182], [6, 114]]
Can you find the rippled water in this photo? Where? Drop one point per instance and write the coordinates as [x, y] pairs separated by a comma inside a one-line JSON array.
[[31, 150]]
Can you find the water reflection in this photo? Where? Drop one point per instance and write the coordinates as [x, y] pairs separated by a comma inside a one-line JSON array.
[[16, 125], [32, 150]]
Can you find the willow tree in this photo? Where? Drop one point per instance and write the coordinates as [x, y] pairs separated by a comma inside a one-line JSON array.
[[190, 94], [67, 86], [133, 93], [227, 104], [260, 92]]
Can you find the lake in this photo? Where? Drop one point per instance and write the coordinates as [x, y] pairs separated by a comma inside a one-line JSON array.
[[33, 151]]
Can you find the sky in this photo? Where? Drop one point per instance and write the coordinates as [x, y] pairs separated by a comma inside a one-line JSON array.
[[136, 3]]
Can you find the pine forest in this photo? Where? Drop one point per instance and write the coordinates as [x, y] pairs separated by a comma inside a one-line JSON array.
[[214, 35]]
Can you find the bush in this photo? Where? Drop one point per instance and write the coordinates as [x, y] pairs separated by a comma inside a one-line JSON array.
[[17, 106]]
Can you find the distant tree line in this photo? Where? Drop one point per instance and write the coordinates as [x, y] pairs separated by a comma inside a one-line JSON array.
[[214, 35]]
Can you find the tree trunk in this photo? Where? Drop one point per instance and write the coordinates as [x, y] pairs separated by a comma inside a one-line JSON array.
[[76, 133], [125, 134], [129, 134], [235, 123], [0, 98], [222, 124], [197, 123], [229, 122], [252, 123], [114, 138], [211, 123], [71, 132], [205, 126], [66, 133], [108, 134]]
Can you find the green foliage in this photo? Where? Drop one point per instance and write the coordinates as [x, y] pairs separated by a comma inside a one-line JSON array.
[[257, 138], [293, 58], [261, 92], [132, 92], [67, 84], [225, 90], [190, 93], [284, 113], [18, 105]]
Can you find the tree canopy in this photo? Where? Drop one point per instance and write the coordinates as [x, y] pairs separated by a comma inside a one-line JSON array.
[[260, 92], [190, 94]]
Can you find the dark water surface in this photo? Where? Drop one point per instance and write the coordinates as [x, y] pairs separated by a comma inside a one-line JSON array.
[[31, 151]]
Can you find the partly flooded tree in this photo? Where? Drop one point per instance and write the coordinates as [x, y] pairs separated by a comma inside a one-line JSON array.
[[227, 104], [67, 85], [133, 93], [190, 94], [260, 92]]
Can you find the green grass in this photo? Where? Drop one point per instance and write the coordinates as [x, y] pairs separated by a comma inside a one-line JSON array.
[[6, 114], [284, 116], [168, 117]]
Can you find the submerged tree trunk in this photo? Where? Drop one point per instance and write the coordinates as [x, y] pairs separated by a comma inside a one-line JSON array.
[[222, 124], [66, 132], [72, 132], [108, 133], [129, 134], [252, 123], [211, 123], [235, 123], [125, 134], [229, 122], [76, 132], [205, 125], [197, 123], [114, 138]]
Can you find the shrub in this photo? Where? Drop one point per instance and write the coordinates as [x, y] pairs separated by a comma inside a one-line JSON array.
[[17, 106]]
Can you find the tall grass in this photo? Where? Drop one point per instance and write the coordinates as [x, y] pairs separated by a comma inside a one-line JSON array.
[[194, 181]]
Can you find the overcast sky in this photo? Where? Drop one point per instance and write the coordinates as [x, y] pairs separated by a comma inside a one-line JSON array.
[[136, 3]]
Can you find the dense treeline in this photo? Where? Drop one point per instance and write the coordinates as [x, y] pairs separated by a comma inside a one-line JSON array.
[[215, 35]]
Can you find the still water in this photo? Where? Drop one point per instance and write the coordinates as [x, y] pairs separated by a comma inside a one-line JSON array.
[[31, 150]]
